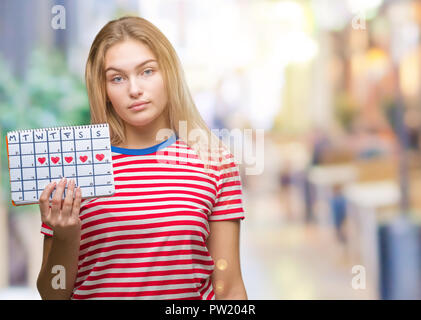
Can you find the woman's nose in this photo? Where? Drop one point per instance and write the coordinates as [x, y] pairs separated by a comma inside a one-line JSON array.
[[135, 89]]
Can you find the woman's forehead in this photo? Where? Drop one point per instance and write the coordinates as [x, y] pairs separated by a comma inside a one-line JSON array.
[[128, 54]]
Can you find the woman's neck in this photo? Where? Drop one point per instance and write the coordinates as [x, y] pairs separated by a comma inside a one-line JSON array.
[[142, 137]]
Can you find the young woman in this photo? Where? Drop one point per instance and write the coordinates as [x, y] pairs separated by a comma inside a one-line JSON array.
[[171, 230]]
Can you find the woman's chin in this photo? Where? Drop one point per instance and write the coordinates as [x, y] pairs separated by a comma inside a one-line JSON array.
[[140, 122]]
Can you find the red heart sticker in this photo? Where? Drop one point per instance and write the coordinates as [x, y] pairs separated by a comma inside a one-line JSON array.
[[100, 156], [68, 159], [83, 158], [55, 159], [42, 160]]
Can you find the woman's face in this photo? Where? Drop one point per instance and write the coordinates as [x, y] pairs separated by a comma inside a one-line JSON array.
[[133, 77]]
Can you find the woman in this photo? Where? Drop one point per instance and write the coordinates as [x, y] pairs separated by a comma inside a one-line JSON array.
[[171, 230]]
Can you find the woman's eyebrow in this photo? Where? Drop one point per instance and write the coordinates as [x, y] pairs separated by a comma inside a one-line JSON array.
[[138, 66]]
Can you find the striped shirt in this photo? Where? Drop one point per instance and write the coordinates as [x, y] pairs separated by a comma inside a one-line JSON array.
[[148, 240]]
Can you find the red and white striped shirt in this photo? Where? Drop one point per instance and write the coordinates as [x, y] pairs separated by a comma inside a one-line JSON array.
[[148, 240]]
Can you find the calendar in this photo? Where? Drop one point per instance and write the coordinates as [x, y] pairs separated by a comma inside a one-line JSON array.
[[40, 156]]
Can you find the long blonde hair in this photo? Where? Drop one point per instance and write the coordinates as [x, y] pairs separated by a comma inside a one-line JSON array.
[[181, 108]]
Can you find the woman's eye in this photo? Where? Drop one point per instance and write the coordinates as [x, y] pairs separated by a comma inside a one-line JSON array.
[[117, 79], [148, 72]]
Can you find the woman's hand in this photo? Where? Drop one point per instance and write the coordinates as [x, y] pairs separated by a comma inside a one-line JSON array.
[[63, 215]]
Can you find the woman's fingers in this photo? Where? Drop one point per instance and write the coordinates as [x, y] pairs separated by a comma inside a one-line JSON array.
[[44, 200], [68, 200], [58, 195], [76, 202]]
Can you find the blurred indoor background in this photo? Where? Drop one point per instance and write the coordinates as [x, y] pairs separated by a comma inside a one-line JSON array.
[[334, 84]]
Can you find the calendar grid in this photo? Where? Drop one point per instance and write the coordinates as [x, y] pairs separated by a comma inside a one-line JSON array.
[[74, 147], [76, 139], [83, 176], [80, 164], [62, 162], [21, 170], [35, 161], [34, 164], [93, 160], [37, 189], [48, 157], [40, 153]]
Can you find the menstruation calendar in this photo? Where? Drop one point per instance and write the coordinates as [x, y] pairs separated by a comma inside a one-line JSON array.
[[40, 156]]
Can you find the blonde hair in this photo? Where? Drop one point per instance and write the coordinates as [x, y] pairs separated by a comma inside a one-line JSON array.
[[181, 107]]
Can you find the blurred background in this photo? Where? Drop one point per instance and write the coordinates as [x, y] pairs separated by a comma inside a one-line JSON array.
[[335, 87]]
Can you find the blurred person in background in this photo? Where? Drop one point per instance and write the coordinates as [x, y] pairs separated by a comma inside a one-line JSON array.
[[338, 205]]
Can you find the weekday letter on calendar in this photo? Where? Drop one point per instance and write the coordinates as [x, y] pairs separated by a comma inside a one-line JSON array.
[[40, 156]]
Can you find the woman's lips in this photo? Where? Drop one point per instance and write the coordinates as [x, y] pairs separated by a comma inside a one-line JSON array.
[[138, 106]]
